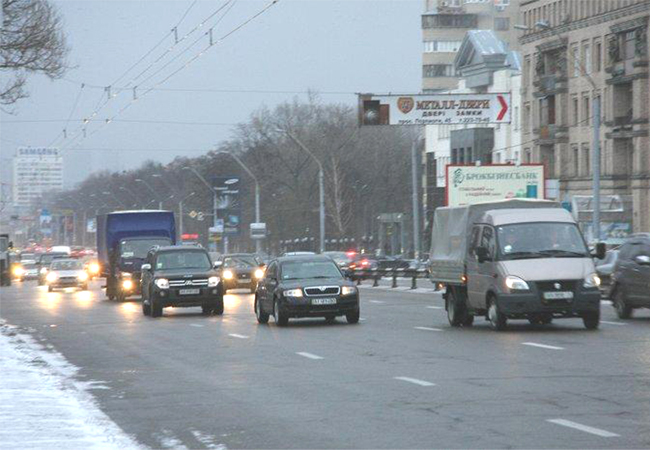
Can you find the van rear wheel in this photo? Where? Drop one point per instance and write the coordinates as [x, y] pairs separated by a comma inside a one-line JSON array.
[[457, 310]]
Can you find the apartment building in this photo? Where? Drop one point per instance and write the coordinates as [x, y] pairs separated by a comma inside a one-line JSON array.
[[569, 47], [37, 171], [444, 24]]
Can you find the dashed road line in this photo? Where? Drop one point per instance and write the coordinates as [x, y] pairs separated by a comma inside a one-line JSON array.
[[376, 301], [548, 347], [197, 325], [415, 381], [238, 336], [612, 323], [309, 355], [435, 307], [428, 329], [581, 427]]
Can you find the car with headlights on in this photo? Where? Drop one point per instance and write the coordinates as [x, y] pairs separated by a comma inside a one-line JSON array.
[[25, 270], [305, 286], [66, 273], [240, 271], [44, 261], [180, 276]]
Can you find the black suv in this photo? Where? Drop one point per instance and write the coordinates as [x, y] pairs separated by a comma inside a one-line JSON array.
[[240, 270], [180, 276], [631, 276]]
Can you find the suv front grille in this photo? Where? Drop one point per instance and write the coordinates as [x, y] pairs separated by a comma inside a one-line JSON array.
[[188, 282], [322, 290]]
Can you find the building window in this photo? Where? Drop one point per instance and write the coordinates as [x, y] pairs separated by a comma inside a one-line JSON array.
[[449, 21], [586, 51], [527, 116], [576, 114], [585, 112], [438, 70], [586, 168], [516, 118], [501, 23], [598, 56], [575, 61], [441, 46], [576, 160], [629, 44]]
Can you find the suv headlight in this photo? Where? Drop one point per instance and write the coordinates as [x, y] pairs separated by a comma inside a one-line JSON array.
[[516, 284], [163, 283], [51, 277], [213, 281], [259, 274], [83, 276], [228, 275], [293, 293], [348, 290], [591, 281]]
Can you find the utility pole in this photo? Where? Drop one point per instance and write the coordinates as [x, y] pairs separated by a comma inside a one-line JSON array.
[[415, 199], [214, 199]]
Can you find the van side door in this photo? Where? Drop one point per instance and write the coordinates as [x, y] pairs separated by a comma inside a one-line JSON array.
[[486, 271], [473, 282]]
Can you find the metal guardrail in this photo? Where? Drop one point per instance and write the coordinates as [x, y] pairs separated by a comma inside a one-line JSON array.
[[376, 274]]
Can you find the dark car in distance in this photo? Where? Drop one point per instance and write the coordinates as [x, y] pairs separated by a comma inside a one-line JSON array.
[[305, 286], [630, 285], [180, 276], [240, 271]]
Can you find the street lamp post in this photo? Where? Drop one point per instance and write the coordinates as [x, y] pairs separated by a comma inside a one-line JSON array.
[[74, 219], [135, 205], [180, 212], [258, 242], [115, 197], [214, 198], [321, 186], [155, 194]]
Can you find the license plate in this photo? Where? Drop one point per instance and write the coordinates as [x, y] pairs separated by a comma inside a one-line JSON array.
[[189, 291], [558, 295], [323, 301]]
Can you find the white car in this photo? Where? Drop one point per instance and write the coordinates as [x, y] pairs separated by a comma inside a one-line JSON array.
[[65, 273]]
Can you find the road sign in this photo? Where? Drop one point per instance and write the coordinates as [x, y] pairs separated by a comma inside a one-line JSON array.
[[258, 230], [434, 109]]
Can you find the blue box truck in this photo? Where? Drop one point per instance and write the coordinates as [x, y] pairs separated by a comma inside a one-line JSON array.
[[123, 240]]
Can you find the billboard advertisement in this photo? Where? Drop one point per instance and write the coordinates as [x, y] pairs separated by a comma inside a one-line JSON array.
[[467, 185], [46, 223], [434, 109], [228, 203]]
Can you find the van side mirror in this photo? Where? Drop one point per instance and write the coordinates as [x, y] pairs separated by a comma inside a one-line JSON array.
[[217, 264], [482, 254], [601, 250], [642, 260], [145, 267]]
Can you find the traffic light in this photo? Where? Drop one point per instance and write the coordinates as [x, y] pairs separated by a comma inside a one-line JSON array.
[[372, 112]]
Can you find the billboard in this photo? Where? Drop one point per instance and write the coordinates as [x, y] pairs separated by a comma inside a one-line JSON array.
[[467, 185], [228, 203], [434, 109]]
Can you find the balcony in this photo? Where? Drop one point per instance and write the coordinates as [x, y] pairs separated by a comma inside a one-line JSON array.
[[552, 134], [551, 84]]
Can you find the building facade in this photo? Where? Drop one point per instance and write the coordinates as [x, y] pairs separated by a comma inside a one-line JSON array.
[[36, 172], [575, 51], [444, 24]]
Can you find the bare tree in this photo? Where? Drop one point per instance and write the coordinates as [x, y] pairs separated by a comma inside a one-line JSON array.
[[31, 41]]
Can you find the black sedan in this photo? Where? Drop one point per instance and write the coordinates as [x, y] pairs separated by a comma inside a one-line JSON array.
[[240, 271], [305, 286]]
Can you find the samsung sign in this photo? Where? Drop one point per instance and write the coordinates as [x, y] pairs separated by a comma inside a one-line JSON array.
[[38, 151]]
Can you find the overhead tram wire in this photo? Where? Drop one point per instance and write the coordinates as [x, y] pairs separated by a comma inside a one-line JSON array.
[[74, 107], [188, 63]]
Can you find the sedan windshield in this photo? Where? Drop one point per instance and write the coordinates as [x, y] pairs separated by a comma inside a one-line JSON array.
[[238, 261], [66, 264], [540, 240], [139, 248], [298, 270], [183, 260]]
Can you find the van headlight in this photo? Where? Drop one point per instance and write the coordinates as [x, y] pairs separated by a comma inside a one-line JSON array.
[[293, 293], [127, 284], [348, 290], [51, 277], [259, 274], [591, 281], [163, 283], [516, 284], [212, 281], [93, 268]]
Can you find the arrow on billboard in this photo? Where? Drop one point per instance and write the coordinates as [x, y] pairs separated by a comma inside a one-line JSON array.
[[504, 107]]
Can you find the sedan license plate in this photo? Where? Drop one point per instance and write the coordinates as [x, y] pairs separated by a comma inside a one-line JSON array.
[[189, 291], [323, 301], [566, 295]]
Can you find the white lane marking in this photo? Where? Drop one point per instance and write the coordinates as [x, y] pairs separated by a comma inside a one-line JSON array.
[[362, 319], [168, 440], [207, 440], [375, 301], [198, 325], [238, 336], [435, 307], [585, 428], [309, 355], [428, 329], [549, 347], [613, 323], [415, 381]]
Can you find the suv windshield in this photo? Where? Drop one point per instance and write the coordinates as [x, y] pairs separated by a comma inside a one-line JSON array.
[[65, 264], [297, 270], [183, 260], [234, 261], [139, 248], [540, 240]]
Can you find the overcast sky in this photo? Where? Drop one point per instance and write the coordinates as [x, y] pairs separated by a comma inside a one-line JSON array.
[[328, 46]]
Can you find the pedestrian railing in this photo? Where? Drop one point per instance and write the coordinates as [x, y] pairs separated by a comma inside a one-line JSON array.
[[360, 274]]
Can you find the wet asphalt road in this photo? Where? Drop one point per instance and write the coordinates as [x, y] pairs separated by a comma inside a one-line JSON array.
[[401, 378]]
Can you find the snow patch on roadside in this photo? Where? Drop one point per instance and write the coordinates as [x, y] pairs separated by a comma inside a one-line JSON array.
[[42, 405]]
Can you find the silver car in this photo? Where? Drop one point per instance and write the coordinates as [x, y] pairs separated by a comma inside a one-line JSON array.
[[65, 273]]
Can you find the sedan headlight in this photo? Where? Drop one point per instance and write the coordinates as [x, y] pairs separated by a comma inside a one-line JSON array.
[[348, 290], [127, 284], [51, 277], [162, 283], [293, 293], [93, 268], [591, 281], [228, 275], [18, 271], [212, 282], [83, 276], [516, 284], [259, 274]]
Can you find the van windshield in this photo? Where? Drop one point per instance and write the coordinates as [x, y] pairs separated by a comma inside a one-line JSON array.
[[140, 247], [540, 240]]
